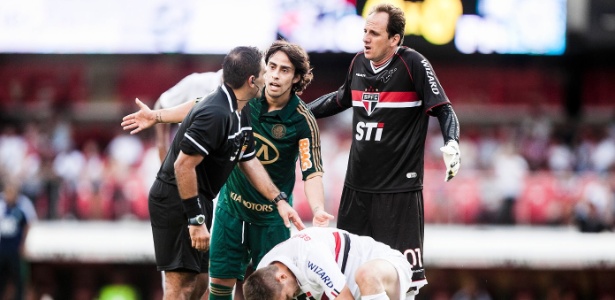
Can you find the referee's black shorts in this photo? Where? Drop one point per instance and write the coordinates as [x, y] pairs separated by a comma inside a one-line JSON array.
[[172, 245], [396, 219]]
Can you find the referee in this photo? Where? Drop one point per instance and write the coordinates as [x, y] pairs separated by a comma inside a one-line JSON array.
[[212, 139]]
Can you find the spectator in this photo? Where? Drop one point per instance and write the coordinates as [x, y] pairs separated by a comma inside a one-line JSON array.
[[593, 212], [471, 289], [16, 215], [603, 156], [510, 170]]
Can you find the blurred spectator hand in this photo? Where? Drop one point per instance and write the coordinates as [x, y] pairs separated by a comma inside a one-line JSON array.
[[451, 155]]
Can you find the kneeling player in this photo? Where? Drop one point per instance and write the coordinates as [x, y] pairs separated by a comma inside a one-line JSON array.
[[330, 262]]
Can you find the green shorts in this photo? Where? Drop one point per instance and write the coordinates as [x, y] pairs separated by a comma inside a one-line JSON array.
[[235, 242]]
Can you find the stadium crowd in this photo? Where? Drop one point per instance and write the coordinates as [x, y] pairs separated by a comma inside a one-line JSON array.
[[531, 169], [60, 134], [535, 171]]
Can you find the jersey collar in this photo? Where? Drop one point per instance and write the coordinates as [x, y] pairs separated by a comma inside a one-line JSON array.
[[284, 113], [230, 96], [377, 69]]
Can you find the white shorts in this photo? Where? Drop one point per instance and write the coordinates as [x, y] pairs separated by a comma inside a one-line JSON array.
[[364, 249]]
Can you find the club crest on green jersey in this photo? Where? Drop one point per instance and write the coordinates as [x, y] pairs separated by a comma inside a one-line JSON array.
[[278, 131]]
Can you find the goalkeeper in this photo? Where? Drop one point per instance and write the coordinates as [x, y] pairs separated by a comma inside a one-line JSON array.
[[392, 90]]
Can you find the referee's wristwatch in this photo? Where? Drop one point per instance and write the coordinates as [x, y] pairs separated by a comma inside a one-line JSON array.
[[280, 197], [197, 220]]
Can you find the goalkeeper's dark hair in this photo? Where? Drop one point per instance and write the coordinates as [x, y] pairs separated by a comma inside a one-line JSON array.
[[397, 19], [241, 63], [262, 284]]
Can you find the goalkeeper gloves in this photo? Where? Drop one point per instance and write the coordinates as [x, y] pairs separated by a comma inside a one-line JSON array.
[[451, 155]]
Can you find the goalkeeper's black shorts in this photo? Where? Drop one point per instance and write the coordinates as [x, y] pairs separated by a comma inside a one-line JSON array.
[[396, 219]]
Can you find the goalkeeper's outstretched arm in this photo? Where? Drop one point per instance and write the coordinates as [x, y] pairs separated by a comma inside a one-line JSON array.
[[326, 106]]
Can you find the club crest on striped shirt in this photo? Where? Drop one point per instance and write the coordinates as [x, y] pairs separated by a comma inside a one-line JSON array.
[[370, 100]]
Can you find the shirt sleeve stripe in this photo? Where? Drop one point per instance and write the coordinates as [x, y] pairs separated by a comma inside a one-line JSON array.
[[196, 144], [242, 129], [390, 105], [399, 97], [248, 155]]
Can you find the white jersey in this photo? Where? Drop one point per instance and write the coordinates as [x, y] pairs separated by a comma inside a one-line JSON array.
[[191, 87], [325, 259]]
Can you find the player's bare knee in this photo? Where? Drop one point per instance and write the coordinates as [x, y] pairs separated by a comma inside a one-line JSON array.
[[378, 276], [368, 279]]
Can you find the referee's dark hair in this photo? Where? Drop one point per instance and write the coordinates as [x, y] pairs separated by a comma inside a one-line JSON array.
[[241, 63], [397, 19], [300, 60]]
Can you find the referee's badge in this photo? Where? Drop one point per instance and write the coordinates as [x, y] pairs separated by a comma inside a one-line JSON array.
[[278, 131], [370, 100]]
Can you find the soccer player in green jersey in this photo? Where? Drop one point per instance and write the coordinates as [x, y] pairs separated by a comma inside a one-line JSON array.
[[246, 224]]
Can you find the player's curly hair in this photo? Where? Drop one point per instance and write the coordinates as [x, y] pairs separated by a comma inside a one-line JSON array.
[[262, 284], [397, 19], [241, 63], [300, 60]]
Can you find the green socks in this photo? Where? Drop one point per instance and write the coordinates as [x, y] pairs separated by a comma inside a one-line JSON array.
[[220, 292]]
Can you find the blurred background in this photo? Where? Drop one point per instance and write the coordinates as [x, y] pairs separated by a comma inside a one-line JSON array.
[[529, 216]]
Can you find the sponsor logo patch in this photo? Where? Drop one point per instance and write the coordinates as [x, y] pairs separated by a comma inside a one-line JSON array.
[[369, 131], [321, 273], [251, 205], [431, 77], [304, 154], [266, 151]]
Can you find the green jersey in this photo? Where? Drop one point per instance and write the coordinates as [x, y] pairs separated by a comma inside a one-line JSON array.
[[282, 137]]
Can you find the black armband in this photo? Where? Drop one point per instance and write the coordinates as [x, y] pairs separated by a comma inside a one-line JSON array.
[[449, 124], [192, 206]]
